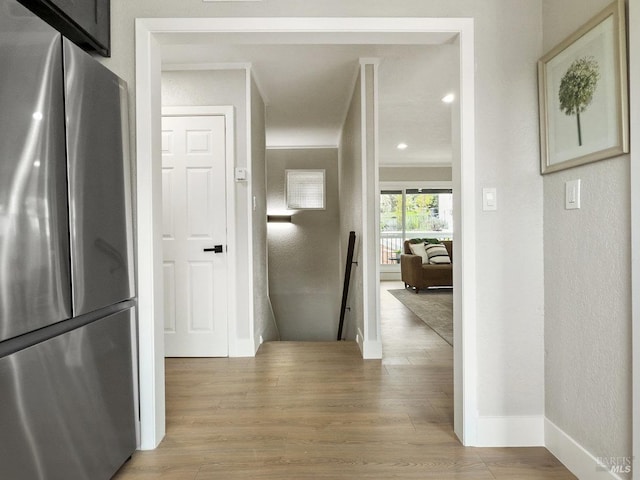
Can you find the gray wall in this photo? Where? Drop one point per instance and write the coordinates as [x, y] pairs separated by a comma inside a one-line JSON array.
[[263, 319], [588, 286], [304, 274], [412, 174], [351, 209]]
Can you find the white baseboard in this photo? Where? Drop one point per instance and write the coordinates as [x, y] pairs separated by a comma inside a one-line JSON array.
[[510, 431], [573, 455], [244, 347], [390, 276], [360, 341], [372, 350]]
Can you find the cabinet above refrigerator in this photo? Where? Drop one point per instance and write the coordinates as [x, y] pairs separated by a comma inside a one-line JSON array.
[[87, 22]]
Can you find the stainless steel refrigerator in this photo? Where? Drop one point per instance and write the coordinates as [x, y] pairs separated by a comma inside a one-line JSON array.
[[67, 299]]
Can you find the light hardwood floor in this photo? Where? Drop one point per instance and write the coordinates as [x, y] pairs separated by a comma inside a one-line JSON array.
[[318, 411]]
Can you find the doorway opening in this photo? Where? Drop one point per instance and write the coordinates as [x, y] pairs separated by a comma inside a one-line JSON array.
[[416, 220], [312, 31], [408, 212]]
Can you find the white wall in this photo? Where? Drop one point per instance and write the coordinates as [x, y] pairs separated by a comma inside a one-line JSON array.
[[588, 286], [509, 309], [372, 347], [304, 270], [509, 244]]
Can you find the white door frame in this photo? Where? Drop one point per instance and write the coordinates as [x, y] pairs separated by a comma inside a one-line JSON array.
[[310, 30], [226, 111], [634, 98]]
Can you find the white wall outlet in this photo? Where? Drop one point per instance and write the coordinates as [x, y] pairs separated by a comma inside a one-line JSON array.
[[572, 195], [489, 199]]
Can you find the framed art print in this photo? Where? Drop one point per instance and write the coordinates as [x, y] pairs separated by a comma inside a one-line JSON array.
[[582, 89]]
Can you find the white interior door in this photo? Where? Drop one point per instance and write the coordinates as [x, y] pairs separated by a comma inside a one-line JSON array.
[[194, 236]]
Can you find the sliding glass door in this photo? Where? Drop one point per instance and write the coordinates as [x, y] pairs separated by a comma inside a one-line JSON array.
[[391, 226], [407, 213]]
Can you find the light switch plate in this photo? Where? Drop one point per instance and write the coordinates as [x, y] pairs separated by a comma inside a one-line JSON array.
[[572, 194], [489, 199], [241, 174]]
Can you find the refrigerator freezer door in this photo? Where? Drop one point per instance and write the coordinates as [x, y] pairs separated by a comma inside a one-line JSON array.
[[35, 284], [99, 183], [68, 406]]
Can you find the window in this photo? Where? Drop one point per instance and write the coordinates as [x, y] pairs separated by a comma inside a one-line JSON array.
[[305, 189], [413, 213]]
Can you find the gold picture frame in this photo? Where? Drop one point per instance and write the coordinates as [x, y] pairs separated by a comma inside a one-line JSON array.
[[582, 91]]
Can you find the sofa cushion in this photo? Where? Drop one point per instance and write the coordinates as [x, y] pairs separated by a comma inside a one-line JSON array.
[[424, 240], [419, 249], [437, 254]]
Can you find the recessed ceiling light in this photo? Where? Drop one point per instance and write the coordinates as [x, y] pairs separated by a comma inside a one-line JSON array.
[[402, 146], [448, 98]]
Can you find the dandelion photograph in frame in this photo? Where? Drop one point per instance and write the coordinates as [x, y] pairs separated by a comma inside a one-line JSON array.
[[582, 86]]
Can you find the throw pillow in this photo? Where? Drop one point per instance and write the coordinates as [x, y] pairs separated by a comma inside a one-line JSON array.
[[437, 254], [418, 249]]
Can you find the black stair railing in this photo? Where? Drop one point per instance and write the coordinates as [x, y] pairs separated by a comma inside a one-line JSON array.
[[347, 277]]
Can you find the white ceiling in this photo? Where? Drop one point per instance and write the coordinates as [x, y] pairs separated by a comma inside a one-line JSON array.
[[307, 88]]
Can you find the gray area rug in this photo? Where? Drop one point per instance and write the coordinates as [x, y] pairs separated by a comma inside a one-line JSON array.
[[434, 307]]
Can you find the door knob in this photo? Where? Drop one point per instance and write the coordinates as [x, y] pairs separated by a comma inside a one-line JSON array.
[[215, 249]]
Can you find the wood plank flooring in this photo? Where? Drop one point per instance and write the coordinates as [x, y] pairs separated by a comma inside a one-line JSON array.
[[318, 411]]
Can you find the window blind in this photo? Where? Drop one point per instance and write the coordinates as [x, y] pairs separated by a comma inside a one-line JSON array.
[[305, 189]]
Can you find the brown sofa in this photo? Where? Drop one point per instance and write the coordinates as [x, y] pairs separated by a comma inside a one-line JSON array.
[[419, 276]]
